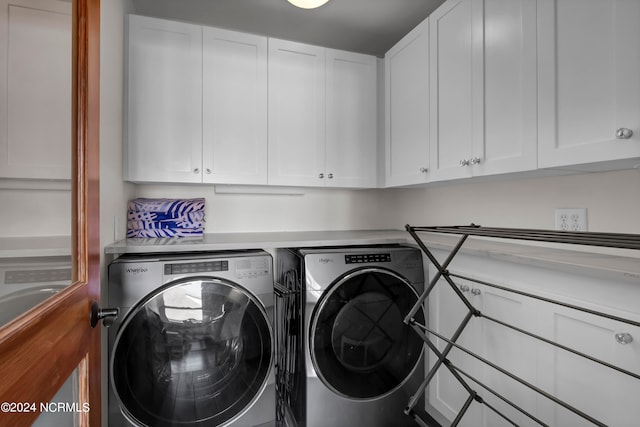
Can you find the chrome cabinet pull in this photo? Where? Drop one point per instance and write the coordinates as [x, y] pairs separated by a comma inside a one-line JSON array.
[[464, 288], [330, 176], [424, 170], [624, 133], [196, 171], [465, 162], [208, 171], [476, 291], [624, 338], [475, 160], [321, 176]]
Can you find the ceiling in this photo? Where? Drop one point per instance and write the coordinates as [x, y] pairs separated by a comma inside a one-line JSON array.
[[365, 26]]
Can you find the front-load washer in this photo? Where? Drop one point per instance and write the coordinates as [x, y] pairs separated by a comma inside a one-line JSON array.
[[360, 362], [193, 344]]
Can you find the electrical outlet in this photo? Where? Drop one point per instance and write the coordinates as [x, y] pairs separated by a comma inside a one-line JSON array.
[[571, 219]]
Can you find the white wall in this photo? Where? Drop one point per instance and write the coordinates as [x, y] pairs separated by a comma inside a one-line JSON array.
[[34, 212], [316, 209], [113, 191], [612, 200]]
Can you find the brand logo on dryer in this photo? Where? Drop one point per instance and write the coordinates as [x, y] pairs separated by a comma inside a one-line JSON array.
[[136, 270], [325, 260]]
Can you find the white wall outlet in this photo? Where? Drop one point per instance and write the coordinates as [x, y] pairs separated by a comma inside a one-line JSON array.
[[571, 219]]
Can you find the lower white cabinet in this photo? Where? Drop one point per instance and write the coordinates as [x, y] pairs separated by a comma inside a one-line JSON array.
[[35, 89], [598, 391], [604, 394], [502, 346]]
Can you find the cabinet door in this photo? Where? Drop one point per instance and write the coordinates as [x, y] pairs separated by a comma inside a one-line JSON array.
[[509, 101], [296, 114], [351, 136], [589, 63], [164, 101], [456, 87], [508, 349], [407, 109], [446, 312], [234, 107], [604, 394], [35, 89]]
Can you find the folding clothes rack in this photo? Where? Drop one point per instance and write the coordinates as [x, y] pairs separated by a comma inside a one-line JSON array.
[[611, 240]]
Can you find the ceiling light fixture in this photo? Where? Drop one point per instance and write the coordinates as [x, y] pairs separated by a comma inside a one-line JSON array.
[[307, 4]]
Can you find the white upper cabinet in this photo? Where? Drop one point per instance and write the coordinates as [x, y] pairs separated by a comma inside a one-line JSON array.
[[197, 104], [589, 85], [164, 101], [322, 106], [351, 137], [234, 107], [407, 109], [296, 114], [35, 89], [483, 88]]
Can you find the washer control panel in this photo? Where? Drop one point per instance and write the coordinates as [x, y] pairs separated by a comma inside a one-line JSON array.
[[196, 267], [365, 258]]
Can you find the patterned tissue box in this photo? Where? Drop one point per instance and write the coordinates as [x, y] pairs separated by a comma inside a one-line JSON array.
[[165, 217]]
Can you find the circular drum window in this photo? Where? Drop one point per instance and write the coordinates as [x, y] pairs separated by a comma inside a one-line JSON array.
[[195, 352], [360, 345]]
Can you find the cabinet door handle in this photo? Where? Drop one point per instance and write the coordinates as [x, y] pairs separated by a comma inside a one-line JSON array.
[[196, 171], [475, 160], [624, 133], [464, 288], [321, 176], [208, 171], [424, 170], [465, 162], [476, 291], [624, 338], [330, 176]]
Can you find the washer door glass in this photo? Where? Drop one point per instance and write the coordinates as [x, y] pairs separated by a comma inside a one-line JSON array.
[[195, 352], [360, 346]]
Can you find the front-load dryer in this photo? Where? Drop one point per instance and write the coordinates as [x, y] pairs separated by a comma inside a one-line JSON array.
[[361, 363], [193, 345]]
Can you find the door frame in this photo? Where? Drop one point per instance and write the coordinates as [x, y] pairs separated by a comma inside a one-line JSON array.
[[40, 349]]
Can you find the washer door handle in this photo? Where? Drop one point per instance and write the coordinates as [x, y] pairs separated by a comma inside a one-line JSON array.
[[107, 315]]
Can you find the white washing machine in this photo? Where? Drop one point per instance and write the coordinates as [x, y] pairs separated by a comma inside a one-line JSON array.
[[193, 344], [361, 363]]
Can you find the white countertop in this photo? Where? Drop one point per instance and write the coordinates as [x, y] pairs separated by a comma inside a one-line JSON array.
[[603, 262], [23, 247], [285, 239]]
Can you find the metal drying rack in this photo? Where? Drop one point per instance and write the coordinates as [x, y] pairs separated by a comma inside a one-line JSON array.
[[610, 240]]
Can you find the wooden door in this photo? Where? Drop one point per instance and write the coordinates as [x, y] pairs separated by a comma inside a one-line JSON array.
[[40, 349]]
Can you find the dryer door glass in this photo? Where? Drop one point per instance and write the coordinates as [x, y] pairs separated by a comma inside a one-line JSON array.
[[360, 345], [193, 353]]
